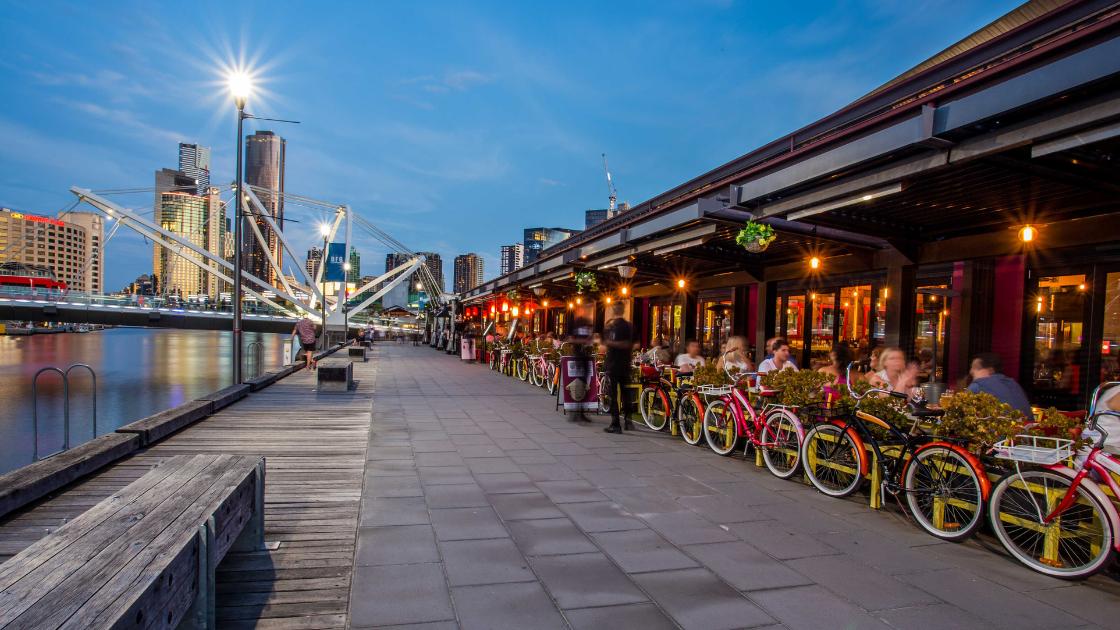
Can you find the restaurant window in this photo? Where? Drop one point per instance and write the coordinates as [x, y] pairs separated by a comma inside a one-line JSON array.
[[931, 330], [855, 319], [713, 322], [1059, 358], [665, 322], [821, 326], [789, 316], [1110, 340]]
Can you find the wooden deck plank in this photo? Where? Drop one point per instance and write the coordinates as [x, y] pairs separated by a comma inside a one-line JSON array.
[[315, 448]]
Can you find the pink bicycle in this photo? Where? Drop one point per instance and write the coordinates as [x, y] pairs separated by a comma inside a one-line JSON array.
[[1056, 519], [774, 430]]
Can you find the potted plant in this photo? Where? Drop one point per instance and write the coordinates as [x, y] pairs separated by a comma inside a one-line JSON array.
[[586, 281], [979, 418], [756, 237]]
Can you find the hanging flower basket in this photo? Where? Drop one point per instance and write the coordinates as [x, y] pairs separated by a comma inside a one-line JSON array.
[[513, 295], [586, 281], [756, 237]]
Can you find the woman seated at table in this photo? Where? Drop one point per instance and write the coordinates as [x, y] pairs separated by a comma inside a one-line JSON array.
[[895, 374], [735, 356], [838, 360]]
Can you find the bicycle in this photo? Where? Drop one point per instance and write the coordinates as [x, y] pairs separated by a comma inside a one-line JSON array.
[[667, 397], [944, 484], [774, 430], [1057, 520]]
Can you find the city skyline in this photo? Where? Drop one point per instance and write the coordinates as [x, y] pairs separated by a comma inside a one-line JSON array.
[[494, 124]]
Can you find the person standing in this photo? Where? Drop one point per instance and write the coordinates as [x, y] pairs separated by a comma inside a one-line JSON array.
[[618, 337], [306, 333]]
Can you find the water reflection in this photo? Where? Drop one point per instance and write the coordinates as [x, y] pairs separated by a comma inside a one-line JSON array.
[[140, 371]]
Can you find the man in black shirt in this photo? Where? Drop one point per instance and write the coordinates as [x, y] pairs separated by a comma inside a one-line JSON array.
[[618, 337]]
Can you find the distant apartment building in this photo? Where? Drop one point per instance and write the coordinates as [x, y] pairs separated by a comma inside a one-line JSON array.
[[468, 272], [264, 170], [541, 238], [314, 259], [512, 258], [194, 162], [355, 272], [70, 249], [198, 219], [432, 261]]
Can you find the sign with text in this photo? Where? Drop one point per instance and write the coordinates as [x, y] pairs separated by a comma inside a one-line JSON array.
[[336, 259], [579, 387]]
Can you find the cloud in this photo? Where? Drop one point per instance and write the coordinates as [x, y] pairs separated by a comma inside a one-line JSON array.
[[544, 181], [128, 121]]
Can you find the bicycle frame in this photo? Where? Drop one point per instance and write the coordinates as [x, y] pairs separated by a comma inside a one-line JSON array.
[[1104, 465], [740, 408]]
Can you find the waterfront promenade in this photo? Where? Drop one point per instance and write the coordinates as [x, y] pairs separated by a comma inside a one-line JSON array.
[[447, 495]]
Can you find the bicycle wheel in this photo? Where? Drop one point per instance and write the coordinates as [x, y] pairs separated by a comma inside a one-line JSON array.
[[781, 439], [522, 369], [533, 373], [832, 460], [1074, 545], [552, 378], [654, 407], [606, 388], [690, 420], [943, 491], [493, 360], [719, 428]]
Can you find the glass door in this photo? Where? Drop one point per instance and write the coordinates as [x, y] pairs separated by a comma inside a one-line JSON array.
[[1060, 306], [822, 328], [931, 331], [1110, 339]]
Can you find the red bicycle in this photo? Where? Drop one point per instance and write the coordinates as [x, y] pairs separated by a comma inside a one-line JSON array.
[[774, 429], [1055, 518]]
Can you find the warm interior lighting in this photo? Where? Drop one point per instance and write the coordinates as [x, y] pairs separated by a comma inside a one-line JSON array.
[[680, 283], [544, 303], [1027, 233], [579, 300], [571, 306], [608, 299], [886, 293], [815, 263], [515, 311], [1081, 287], [493, 310], [625, 291], [812, 296], [505, 306]]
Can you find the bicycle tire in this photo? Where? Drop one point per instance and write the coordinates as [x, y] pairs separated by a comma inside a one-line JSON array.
[[832, 461], [784, 430], [944, 494], [1013, 511], [652, 404], [533, 370], [605, 391], [522, 369], [552, 377], [692, 426], [719, 428], [493, 360]]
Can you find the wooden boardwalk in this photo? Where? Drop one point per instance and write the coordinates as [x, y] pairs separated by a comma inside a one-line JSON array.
[[315, 447]]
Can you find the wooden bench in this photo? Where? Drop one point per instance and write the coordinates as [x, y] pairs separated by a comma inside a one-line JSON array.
[[144, 557], [356, 353], [335, 375]]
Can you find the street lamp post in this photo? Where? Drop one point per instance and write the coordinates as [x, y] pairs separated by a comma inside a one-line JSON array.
[[345, 306], [240, 87], [325, 230]]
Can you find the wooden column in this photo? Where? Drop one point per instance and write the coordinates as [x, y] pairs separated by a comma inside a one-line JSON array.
[[899, 325], [971, 324], [764, 318]]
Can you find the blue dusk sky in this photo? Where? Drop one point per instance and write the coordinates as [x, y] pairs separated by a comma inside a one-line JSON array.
[[450, 125]]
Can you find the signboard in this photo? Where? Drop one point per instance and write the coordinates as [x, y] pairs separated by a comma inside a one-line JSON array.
[[466, 348], [579, 387], [336, 259]]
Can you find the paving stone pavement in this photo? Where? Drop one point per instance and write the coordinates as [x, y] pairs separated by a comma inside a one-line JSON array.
[[484, 508]]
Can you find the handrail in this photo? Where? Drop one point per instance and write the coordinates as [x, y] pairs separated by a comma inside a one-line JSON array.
[[258, 348], [65, 375]]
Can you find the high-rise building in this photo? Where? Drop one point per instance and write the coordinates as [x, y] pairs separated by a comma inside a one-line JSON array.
[[396, 259], [94, 224], [187, 216], [468, 272], [355, 266], [65, 248], [264, 171], [314, 257], [434, 264], [216, 243], [541, 238], [595, 217], [513, 258], [194, 162]]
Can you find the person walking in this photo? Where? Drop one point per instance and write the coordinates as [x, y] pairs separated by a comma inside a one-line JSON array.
[[618, 339], [306, 332]]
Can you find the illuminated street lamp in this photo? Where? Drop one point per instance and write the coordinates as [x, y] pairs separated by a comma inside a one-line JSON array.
[[240, 87], [325, 230]]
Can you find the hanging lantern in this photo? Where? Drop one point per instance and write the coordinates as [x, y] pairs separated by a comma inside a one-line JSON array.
[[505, 307]]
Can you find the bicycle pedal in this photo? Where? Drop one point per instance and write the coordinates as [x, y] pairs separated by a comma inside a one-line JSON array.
[[1058, 564]]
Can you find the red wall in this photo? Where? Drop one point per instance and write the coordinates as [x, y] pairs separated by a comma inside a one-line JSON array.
[[1007, 315]]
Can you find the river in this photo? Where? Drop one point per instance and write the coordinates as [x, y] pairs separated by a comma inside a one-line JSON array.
[[140, 371]]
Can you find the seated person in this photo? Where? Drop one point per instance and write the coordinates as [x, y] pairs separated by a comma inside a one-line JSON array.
[[690, 358], [779, 358], [735, 356], [894, 373], [987, 377], [838, 361]]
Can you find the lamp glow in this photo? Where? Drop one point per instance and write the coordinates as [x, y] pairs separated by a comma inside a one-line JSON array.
[[680, 283], [240, 85], [815, 263], [625, 291], [324, 230], [1027, 233], [544, 303], [515, 311]]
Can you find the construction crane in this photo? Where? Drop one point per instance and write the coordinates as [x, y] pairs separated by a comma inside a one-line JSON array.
[[613, 194]]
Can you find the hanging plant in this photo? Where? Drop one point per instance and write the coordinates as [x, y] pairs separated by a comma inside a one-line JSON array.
[[513, 295], [586, 281], [756, 237]]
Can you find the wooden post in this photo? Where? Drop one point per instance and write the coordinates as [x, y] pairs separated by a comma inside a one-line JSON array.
[[764, 318]]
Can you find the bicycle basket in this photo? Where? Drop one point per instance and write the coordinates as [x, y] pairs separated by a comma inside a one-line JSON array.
[[714, 390], [1034, 449]]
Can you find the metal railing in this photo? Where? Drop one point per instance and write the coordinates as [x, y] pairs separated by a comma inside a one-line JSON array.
[[65, 376], [256, 348]]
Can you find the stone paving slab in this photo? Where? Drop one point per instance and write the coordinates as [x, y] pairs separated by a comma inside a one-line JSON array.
[[484, 508]]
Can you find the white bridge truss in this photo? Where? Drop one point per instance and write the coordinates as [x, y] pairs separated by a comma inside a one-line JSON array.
[[221, 268]]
